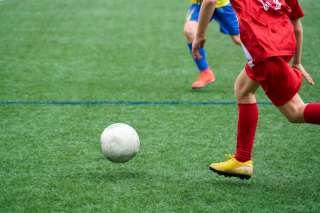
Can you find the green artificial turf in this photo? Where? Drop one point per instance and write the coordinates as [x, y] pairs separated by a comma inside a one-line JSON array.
[[132, 51]]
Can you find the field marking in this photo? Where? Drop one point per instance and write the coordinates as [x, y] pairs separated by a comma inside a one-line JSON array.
[[120, 102]]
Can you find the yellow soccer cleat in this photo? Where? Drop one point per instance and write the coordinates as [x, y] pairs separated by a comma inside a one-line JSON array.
[[233, 168]]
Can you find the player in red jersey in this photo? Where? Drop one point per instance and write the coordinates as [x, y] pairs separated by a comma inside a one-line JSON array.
[[271, 35]]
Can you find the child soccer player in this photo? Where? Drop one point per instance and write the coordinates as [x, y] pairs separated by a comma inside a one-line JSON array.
[[271, 35], [227, 19]]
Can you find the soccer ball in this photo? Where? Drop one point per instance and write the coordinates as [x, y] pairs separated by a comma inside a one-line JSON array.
[[119, 142]]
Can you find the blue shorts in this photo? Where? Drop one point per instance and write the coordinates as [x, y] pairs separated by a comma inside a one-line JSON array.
[[225, 16]]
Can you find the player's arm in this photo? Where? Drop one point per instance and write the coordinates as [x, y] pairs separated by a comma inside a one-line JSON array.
[[206, 12], [298, 29]]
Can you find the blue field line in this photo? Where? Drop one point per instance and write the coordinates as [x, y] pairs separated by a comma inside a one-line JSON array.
[[120, 102]]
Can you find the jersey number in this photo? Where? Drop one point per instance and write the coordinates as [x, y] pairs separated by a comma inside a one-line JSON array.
[[276, 5]]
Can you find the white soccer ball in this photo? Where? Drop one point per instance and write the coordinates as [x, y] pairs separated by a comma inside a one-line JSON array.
[[119, 142]]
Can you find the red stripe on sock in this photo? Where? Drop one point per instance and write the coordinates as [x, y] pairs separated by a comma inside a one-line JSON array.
[[247, 124], [312, 113]]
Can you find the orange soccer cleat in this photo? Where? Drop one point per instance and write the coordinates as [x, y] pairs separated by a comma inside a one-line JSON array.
[[205, 77]]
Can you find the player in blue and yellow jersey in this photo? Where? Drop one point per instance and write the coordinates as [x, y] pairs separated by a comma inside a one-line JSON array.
[[226, 17]]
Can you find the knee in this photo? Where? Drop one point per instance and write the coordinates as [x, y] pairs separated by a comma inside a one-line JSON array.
[[238, 90], [242, 95], [293, 119], [296, 115], [188, 32]]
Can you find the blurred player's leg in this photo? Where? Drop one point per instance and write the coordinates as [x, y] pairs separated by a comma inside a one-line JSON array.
[[206, 75]]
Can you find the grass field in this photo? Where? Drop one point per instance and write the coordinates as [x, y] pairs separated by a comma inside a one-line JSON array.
[[70, 68]]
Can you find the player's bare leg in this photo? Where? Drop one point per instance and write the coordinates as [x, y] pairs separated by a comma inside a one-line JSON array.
[[240, 164], [245, 88], [189, 30], [296, 111], [206, 75]]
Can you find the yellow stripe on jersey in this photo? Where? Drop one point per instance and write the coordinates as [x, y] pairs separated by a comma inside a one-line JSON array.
[[220, 3]]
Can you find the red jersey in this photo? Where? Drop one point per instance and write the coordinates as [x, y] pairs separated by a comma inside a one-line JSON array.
[[265, 27]]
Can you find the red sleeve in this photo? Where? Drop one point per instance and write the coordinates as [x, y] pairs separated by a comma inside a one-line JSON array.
[[297, 11]]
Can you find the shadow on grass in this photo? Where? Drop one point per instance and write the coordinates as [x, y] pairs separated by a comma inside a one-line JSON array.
[[186, 183], [207, 89]]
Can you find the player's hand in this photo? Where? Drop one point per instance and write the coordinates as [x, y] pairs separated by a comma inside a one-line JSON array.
[[196, 45], [305, 74]]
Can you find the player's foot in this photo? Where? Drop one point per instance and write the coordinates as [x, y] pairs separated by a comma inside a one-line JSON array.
[[205, 77], [233, 168]]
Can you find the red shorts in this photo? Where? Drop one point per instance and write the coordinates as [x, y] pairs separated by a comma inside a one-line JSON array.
[[278, 79]]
